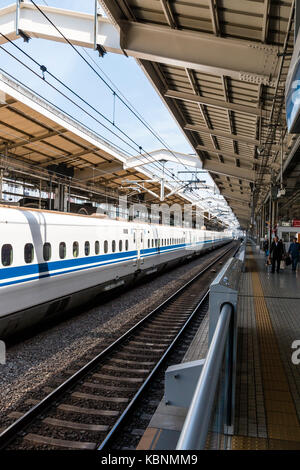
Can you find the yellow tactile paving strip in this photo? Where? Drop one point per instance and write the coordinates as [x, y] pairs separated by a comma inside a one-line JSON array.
[[149, 439], [282, 422]]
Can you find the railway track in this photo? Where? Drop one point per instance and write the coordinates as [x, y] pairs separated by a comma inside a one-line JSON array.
[[87, 409]]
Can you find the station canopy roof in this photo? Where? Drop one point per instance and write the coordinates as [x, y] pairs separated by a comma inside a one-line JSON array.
[[38, 140], [219, 66]]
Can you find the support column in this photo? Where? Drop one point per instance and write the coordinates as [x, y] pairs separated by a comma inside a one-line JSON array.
[[60, 202], [270, 220]]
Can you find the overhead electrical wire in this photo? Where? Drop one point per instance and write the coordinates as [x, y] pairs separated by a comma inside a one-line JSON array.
[[124, 101], [105, 82], [65, 96], [73, 102], [128, 106]]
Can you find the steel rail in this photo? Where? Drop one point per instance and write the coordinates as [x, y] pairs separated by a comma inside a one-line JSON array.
[[10, 433], [146, 383]]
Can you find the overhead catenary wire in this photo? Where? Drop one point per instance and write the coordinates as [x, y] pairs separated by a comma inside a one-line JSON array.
[[103, 80], [42, 97], [64, 95], [113, 91], [73, 102]]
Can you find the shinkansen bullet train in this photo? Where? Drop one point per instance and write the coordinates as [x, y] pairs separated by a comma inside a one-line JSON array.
[[52, 262]]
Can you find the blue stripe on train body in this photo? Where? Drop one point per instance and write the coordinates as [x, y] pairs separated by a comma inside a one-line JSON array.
[[46, 269]]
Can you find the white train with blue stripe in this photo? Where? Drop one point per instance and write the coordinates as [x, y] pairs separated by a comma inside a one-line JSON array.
[[52, 262]]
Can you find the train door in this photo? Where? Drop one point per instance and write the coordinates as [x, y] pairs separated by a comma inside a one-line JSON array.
[[156, 240], [139, 238], [189, 238]]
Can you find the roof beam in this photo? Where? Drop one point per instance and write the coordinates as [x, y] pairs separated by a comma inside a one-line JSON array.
[[235, 185], [168, 13], [240, 108], [202, 52], [25, 141], [197, 91], [228, 170], [229, 113], [214, 16], [240, 205], [265, 23], [238, 138], [239, 198], [247, 159], [157, 43], [98, 171]]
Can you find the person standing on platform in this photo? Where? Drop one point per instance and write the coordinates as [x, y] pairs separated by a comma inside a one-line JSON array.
[[276, 252], [266, 246], [294, 251]]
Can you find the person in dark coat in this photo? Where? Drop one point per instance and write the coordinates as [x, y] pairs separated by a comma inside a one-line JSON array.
[[294, 251], [276, 252]]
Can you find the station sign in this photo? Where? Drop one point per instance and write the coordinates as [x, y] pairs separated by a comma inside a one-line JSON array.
[[292, 91]]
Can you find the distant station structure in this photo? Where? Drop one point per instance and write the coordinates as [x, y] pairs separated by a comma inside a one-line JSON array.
[[220, 69]]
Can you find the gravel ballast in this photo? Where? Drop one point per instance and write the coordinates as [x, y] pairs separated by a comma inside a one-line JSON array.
[[36, 362]]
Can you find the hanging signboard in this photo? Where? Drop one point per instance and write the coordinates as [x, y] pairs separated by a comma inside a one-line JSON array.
[[292, 91]]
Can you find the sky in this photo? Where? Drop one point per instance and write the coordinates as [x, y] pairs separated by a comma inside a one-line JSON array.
[[65, 64]]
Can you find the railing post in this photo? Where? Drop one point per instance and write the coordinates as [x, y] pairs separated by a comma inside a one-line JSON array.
[[196, 425], [213, 386], [225, 289]]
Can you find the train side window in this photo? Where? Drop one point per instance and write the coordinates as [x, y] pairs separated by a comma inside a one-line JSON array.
[[105, 246], [134, 237], [75, 249], [113, 246], [28, 253], [62, 250], [152, 243], [47, 251], [97, 247], [87, 248], [148, 243], [120, 245], [7, 255], [126, 245]]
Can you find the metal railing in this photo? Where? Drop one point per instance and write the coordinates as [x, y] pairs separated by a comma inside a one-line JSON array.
[[200, 415], [210, 418]]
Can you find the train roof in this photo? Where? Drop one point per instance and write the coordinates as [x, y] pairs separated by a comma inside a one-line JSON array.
[[16, 214]]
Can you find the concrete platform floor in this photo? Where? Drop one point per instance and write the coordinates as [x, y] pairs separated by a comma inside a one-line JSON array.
[[267, 412]]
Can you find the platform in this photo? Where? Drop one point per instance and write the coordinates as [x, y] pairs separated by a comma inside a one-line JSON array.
[[268, 383], [267, 412]]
